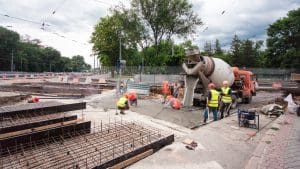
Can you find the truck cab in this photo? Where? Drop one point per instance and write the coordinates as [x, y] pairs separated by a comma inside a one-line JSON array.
[[244, 85]]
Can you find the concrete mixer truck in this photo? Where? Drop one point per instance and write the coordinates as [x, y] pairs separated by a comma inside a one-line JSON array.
[[202, 70]]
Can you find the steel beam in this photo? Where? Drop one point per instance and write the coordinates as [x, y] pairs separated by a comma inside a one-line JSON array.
[[42, 122], [45, 107]]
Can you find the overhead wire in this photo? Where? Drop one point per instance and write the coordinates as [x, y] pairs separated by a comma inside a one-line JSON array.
[[43, 28], [22, 19]]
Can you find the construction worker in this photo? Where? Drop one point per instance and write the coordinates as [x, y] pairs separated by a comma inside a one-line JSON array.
[[165, 90], [173, 102], [176, 89], [226, 99], [212, 102], [33, 99], [132, 97], [122, 104]]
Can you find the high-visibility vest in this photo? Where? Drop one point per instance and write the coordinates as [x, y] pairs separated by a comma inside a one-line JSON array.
[[132, 96], [166, 87], [122, 102], [213, 102], [176, 104], [226, 98], [35, 99]]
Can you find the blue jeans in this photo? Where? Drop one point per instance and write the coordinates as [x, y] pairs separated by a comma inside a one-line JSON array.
[[214, 110]]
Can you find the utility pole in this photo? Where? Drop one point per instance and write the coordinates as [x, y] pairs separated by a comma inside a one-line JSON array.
[[21, 64], [50, 67], [94, 63], [120, 57], [12, 60]]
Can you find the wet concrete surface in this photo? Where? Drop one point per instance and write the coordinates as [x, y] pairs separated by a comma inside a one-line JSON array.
[[189, 118]]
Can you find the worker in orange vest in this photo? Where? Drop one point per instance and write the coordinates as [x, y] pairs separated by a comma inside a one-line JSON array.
[[132, 97], [173, 102], [33, 99], [165, 90]]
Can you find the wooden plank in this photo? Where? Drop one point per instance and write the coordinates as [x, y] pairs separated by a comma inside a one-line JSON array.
[[132, 160]]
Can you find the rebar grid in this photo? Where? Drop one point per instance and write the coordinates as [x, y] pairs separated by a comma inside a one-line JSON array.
[[34, 117], [104, 143]]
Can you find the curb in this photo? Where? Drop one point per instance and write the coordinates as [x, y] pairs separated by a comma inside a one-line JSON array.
[[256, 157]]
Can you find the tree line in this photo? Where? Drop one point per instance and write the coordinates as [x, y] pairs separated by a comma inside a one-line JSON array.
[[30, 56], [147, 29]]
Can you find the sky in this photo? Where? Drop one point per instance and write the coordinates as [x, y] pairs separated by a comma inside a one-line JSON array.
[[68, 24]]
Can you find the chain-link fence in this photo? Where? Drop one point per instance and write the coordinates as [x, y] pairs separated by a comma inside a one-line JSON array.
[[158, 74]]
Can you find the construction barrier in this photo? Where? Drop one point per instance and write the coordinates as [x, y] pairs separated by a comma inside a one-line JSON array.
[[139, 88]]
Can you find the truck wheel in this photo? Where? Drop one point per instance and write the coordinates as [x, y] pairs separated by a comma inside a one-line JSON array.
[[234, 102]]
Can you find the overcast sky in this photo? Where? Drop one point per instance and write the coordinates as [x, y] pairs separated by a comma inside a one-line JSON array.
[[69, 28]]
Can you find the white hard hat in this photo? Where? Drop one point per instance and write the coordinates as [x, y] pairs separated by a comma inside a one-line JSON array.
[[225, 82]]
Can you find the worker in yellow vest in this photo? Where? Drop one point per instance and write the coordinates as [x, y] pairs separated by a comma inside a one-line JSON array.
[[226, 99], [122, 104], [212, 102]]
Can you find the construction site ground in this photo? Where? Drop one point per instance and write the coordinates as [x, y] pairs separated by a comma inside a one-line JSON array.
[[221, 144]]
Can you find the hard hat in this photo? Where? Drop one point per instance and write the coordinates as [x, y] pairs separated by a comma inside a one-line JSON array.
[[225, 82], [169, 97], [211, 85], [126, 95]]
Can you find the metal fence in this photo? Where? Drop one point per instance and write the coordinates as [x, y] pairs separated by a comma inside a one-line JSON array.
[[174, 73]]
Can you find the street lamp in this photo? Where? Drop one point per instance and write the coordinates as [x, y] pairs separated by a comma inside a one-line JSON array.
[[120, 34]]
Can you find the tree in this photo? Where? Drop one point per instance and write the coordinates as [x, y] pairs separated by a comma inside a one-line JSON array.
[[218, 50], [51, 58], [107, 34], [208, 49], [164, 18], [78, 64], [235, 50], [8, 45], [283, 42], [30, 56]]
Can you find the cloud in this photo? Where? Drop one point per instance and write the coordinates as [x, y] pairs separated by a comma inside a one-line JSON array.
[[247, 18], [75, 20]]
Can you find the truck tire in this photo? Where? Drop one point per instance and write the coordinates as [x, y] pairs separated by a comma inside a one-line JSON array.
[[234, 102]]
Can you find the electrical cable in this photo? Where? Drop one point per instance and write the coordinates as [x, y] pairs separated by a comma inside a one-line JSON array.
[[22, 19]]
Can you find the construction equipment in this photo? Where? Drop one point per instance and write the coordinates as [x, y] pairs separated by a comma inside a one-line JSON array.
[[202, 70], [246, 116]]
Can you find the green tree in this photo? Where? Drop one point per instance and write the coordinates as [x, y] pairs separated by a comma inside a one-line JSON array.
[[30, 56], [283, 42], [107, 34], [164, 18], [8, 45], [218, 49], [235, 50], [51, 58], [208, 49], [78, 64]]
